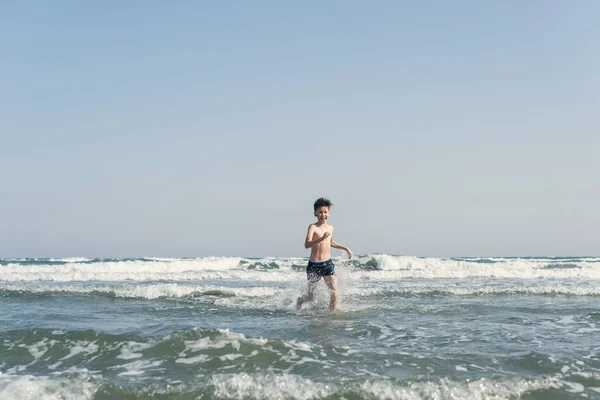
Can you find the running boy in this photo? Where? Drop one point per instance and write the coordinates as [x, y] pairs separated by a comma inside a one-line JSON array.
[[320, 240]]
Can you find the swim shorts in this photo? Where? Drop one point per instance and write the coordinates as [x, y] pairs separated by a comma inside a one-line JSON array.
[[316, 270]]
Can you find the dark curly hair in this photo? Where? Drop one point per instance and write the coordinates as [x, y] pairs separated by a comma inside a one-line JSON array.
[[322, 202]]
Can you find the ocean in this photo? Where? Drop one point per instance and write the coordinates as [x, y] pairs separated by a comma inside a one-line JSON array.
[[227, 328]]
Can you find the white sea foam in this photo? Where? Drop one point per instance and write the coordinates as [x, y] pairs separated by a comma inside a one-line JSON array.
[[226, 338], [40, 348], [192, 360], [271, 386], [233, 342], [276, 386], [130, 350], [138, 367], [71, 259], [26, 387], [79, 347]]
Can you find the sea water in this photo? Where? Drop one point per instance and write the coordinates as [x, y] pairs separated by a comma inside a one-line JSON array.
[[227, 328]]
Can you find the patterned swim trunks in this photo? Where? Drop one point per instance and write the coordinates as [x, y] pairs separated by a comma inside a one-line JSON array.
[[316, 270]]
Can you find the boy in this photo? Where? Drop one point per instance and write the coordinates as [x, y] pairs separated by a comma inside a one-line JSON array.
[[320, 240]]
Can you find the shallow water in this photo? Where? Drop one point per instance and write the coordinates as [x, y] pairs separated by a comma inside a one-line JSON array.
[[409, 328]]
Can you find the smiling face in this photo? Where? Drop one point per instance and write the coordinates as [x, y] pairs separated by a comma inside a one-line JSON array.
[[322, 213]]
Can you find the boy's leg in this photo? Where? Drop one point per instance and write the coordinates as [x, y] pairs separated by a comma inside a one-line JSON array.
[[331, 282], [309, 296]]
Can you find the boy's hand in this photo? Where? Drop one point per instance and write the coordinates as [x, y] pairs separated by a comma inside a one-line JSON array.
[[325, 236], [349, 253]]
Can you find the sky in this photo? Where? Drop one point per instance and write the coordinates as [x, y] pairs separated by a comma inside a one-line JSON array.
[[192, 129]]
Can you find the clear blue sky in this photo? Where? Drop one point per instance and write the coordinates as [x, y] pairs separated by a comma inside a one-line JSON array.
[[437, 128]]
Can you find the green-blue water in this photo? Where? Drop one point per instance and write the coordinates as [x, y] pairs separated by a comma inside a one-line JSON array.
[[226, 328]]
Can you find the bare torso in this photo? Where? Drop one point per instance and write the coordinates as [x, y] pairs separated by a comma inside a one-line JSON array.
[[321, 251]]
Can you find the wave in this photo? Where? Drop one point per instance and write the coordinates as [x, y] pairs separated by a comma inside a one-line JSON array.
[[370, 267], [220, 364], [265, 385], [44, 364], [280, 298], [81, 383], [149, 292], [495, 289], [278, 386], [415, 267]]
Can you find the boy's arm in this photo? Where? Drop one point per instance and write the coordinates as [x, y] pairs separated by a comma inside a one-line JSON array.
[[341, 247], [309, 243]]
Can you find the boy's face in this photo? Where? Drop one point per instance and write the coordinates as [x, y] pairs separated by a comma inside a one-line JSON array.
[[322, 213]]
